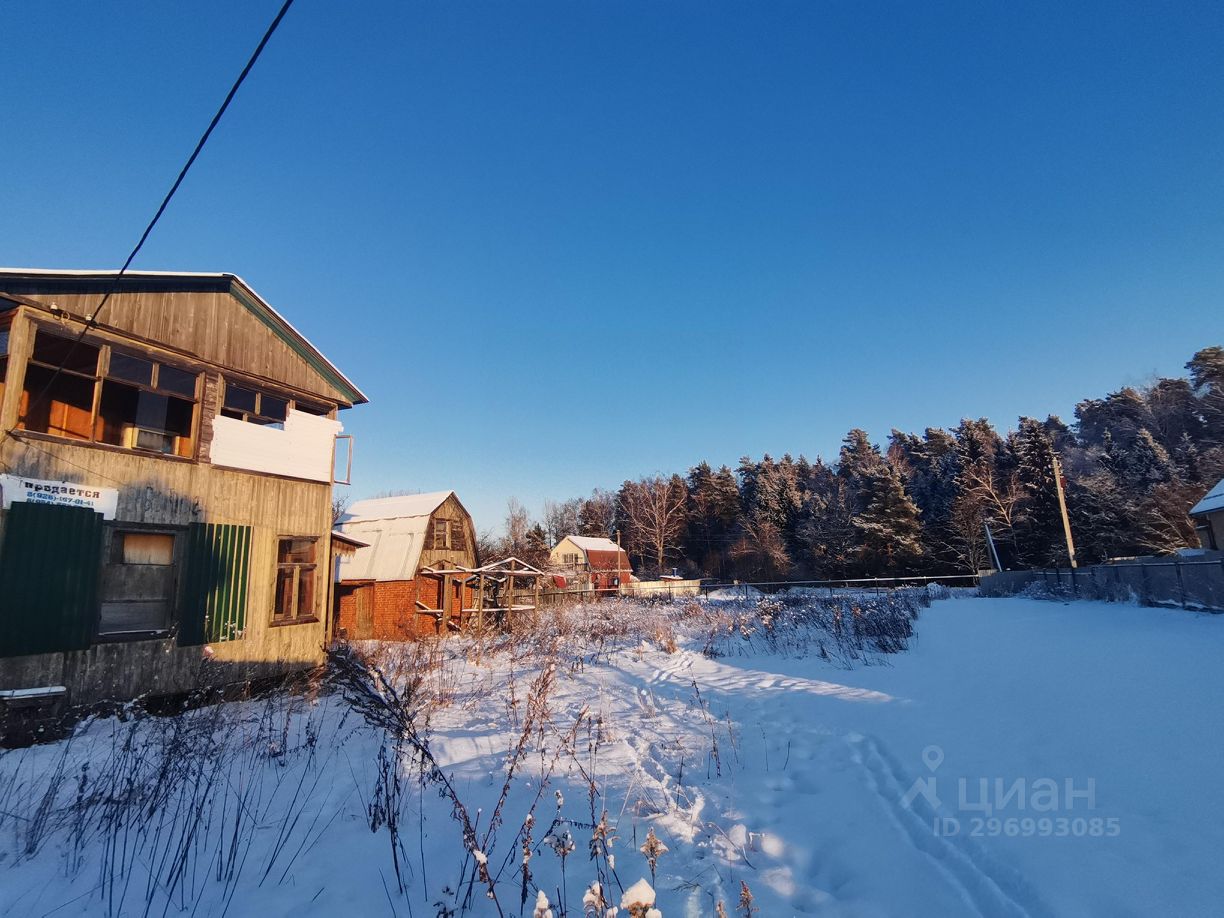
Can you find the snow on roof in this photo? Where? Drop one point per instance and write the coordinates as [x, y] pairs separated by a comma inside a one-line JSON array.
[[1214, 500], [338, 536], [394, 529], [389, 508], [590, 543], [359, 397]]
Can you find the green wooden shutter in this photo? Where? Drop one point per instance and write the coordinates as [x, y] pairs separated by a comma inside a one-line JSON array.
[[50, 565], [215, 585]]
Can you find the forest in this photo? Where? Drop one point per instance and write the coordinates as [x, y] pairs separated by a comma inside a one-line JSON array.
[[1133, 463]]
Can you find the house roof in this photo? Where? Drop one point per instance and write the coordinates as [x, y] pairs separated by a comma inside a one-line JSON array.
[[1213, 500], [395, 530], [601, 554], [338, 536], [591, 543], [242, 291]]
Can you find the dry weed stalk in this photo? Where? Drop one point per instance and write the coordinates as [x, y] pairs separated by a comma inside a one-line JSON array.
[[746, 908]]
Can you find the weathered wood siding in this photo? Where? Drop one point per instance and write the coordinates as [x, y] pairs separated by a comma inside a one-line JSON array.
[[450, 510], [213, 325], [174, 492]]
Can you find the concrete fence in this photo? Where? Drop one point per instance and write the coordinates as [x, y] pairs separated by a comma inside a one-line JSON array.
[[1188, 584], [674, 589]]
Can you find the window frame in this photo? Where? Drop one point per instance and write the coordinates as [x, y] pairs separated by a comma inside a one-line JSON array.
[[6, 332], [100, 376], [441, 532], [119, 529], [297, 617], [292, 403]]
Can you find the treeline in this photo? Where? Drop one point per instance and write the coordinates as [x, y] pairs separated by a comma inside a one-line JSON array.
[[1133, 463]]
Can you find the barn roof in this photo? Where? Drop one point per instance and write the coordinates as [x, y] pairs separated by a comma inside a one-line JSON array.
[[242, 291], [395, 530], [402, 505], [1214, 500]]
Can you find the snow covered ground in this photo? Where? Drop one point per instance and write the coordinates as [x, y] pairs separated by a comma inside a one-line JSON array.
[[1022, 757]]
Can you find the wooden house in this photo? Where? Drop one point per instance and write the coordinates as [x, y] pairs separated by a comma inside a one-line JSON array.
[[591, 563], [166, 466], [411, 578], [1208, 516]]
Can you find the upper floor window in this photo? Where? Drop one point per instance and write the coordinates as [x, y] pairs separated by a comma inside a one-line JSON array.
[[245, 403], [448, 535], [83, 391], [4, 349]]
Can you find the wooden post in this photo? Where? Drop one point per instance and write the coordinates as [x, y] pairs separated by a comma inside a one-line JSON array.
[[1062, 508]]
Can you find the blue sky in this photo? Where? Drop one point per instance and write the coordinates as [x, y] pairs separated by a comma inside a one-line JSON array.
[[563, 244]]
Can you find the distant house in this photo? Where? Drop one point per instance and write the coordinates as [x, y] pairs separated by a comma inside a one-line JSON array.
[[167, 466], [412, 577], [591, 563], [1208, 516]]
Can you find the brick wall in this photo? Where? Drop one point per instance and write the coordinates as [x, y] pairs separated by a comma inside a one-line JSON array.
[[396, 615]]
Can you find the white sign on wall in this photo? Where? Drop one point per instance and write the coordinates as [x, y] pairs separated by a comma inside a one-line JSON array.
[[61, 493]]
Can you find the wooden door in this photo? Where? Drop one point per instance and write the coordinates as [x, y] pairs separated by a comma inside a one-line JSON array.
[[364, 597]]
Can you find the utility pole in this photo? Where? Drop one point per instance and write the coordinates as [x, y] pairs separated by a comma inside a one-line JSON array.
[[1062, 508], [994, 553]]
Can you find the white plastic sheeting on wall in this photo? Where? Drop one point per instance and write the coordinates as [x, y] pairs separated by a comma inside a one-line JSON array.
[[305, 448]]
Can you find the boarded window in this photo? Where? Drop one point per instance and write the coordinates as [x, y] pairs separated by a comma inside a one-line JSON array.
[[296, 580], [138, 583]]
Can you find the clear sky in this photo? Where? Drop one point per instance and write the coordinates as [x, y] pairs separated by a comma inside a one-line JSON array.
[[563, 244]]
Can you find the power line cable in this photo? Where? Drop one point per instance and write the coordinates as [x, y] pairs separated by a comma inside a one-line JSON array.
[[91, 320]]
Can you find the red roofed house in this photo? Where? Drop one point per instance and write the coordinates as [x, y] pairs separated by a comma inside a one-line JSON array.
[[592, 563]]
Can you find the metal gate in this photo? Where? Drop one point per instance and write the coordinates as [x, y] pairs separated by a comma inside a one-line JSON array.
[[50, 563]]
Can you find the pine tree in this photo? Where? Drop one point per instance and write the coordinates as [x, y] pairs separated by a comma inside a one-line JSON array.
[[1041, 533], [1207, 376], [928, 467], [889, 530], [1141, 465]]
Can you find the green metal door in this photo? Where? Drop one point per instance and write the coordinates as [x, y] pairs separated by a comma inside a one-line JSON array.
[[50, 563], [215, 585]]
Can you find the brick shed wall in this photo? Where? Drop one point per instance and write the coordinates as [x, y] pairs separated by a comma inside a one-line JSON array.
[[396, 616]]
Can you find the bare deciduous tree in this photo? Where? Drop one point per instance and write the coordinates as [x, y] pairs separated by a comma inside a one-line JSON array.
[[561, 519], [518, 523], [654, 511]]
